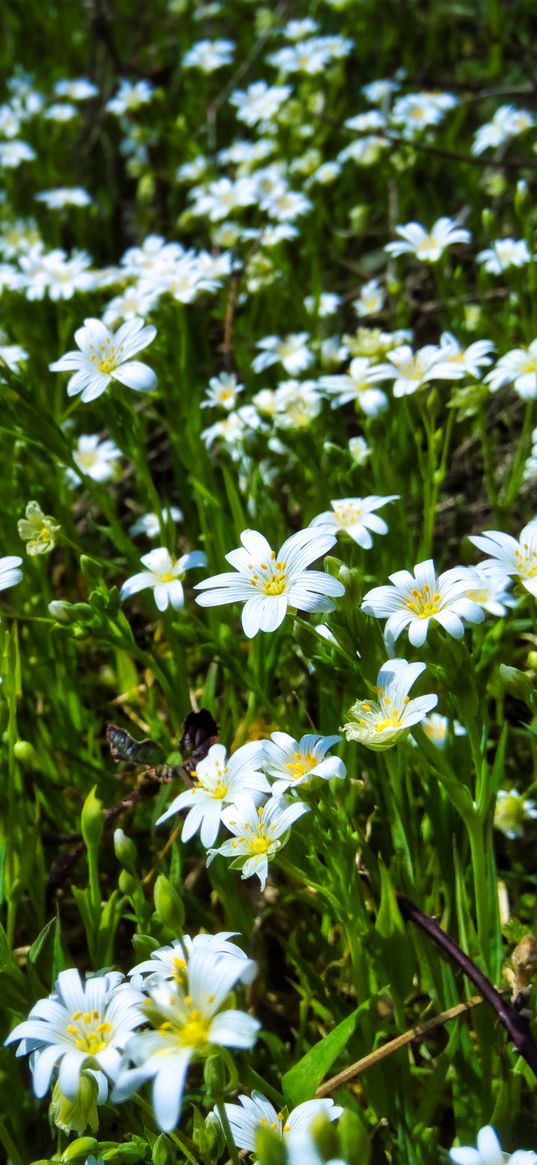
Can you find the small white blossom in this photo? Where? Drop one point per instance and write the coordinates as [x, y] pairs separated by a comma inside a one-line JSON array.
[[80, 1026], [292, 352], [370, 300], [163, 575], [259, 102], [149, 524], [504, 253], [171, 962], [258, 832], [187, 1020], [509, 557], [104, 356], [278, 581], [382, 722], [356, 517], [357, 385], [455, 362], [428, 246], [255, 1112], [218, 781], [291, 762], [130, 97], [10, 574], [438, 728], [508, 122], [97, 459], [489, 1152], [64, 196], [414, 601], [209, 55], [222, 392], [519, 368], [409, 370]]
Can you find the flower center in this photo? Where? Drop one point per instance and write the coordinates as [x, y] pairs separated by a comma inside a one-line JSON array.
[[168, 576], [259, 845], [91, 1033], [423, 603], [347, 515], [303, 763], [526, 560]]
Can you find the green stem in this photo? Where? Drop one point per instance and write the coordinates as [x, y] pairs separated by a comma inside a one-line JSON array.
[[231, 1146], [481, 893]]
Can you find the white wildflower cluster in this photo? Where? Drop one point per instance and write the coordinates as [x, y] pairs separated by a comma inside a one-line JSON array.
[[251, 792]]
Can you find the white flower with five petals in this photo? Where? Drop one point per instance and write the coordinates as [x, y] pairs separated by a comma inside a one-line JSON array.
[[163, 575], [355, 517], [258, 832], [269, 583], [414, 600], [509, 557], [106, 356], [255, 1112], [428, 246]]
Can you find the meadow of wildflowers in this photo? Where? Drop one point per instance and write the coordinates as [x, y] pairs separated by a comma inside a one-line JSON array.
[[268, 563]]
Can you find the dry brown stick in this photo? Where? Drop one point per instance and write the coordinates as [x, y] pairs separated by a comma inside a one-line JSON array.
[[392, 1046]]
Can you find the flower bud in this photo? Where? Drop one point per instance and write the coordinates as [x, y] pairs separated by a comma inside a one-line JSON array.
[[125, 850], [168, 905], [92, 820], [215, 1077], [162, 1152], [75, 1116], [25, 753]]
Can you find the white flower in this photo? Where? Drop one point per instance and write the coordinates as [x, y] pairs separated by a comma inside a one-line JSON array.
[[11, 354], [489, 1152], [220, 198], [163, 575], [519, 368], [508, 122], [149, 524], [417, 111], [409, 370], [504, 253], [511, 812], [14, 152], [257, 832], [356, 517], [492, 593], [76, 89], [325, 304], [438, 728], [97, 459], [428, 246], [291, 762], [278, 580], [209, 55], [10, 574], [414, 600], [79, 1026], [370, 300], [259, 102], [171, 962], [509, 557], [222, 392], [61, 111], [296, 404], [454, 362], [381, 723], [219, 780], [64, 196], [359, 450], [255, 1112], [138, 300], [130, 96], [106, 356], [187, 1021], [357, 385], [290, 351]]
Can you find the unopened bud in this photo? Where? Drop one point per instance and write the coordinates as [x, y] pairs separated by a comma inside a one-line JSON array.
[[92, 820]]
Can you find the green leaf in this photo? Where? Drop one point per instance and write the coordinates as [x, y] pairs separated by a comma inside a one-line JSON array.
[[304, 1078]]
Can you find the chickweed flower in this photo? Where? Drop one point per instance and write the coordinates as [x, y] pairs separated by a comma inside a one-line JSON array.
[[413, 601], [509, 557], [39, 531], [291, 762], [357, 385], [188, 1022], [355, 517], [149, 524], [80, 1025], [106, 356], [170, 963], [164, 576], [381, 723], [504, 253], [10, 574], [489, 1152], [428, 246], [97, 459], [218, 782], [255, 1112], [519, 368], [292, 352], [511, 812], [258, 832], [279, 581]]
